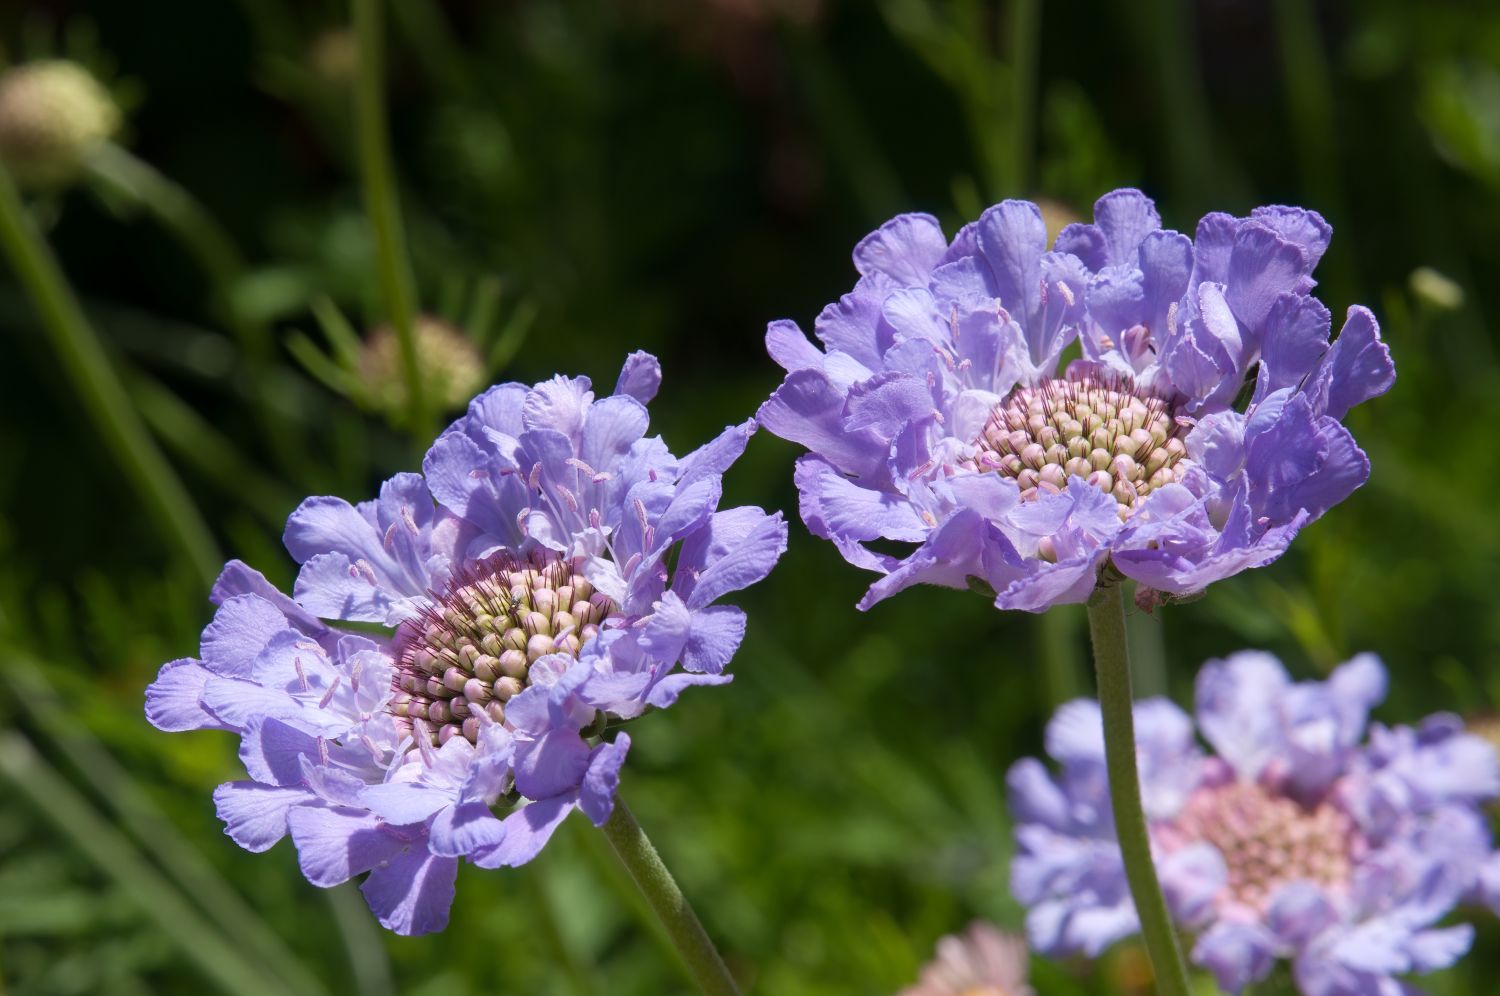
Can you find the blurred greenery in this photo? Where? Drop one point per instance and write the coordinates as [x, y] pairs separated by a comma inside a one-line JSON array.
[[669, 175]]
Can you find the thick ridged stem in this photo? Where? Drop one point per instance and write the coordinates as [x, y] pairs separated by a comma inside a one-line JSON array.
[[397, 284], [98, 388], [1112, 668], [660, 890]]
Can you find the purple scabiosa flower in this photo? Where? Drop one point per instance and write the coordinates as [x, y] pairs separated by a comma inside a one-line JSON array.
[[937, 414], [554, 573], [982, 961], [1297, 838]]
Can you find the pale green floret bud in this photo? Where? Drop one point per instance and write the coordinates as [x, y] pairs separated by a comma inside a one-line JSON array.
[[513, 664], [53, 115]]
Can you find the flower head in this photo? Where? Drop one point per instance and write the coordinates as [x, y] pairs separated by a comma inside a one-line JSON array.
[[982, 961], [53, 114], [452, 369], [1298, 838], [938, 412], [554, 574]]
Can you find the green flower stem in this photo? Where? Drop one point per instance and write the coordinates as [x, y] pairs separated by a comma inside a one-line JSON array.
[[1025, 52], [1112, 667], [86, 365], [397, 284], [660, 890]]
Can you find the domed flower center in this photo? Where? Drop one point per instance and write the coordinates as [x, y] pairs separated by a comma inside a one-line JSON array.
[[473, 647], [1267, 840], [1121, 440]]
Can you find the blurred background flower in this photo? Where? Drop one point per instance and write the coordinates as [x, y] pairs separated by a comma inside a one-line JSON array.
[[576, 169], [53, 116], [1297, 838], [982, 961]]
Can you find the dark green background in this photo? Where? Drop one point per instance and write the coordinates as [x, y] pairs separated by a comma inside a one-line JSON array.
[[670, 176]]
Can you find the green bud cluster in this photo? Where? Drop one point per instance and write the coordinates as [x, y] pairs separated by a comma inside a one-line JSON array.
[[472, 649], [53, 114], [1122, 442]]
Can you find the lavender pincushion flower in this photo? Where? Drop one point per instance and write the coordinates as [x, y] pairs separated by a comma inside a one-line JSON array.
[[936, 414], [1294, 840], [539, 584]]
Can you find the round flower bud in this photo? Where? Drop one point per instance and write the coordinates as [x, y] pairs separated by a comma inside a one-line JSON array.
[[53, 115], [452, 369], [334, 57]]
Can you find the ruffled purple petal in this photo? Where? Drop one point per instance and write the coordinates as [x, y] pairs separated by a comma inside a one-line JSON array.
[[596, 797], [174, 701], [553, 763], [733, 550], [640, 377], [716, 456], [240, 630], [904, 249], [334, 845], [272, 751], [412, 892], [1125, 218], [1262, 267], [808, 409], [526, 832], [1238, 954], [1355, 369], [664, 691], [1236, 703], [255, 815]]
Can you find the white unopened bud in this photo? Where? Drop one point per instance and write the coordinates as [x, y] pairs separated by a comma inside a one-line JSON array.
[[53, 115]]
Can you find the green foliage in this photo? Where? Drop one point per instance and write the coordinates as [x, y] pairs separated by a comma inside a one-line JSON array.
[[614, 176]]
